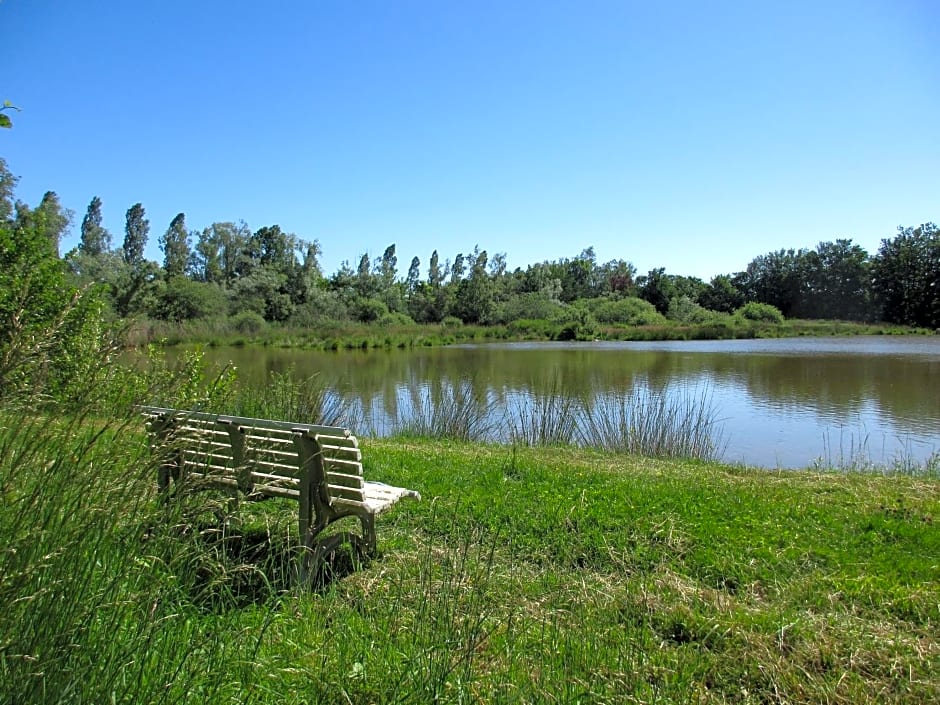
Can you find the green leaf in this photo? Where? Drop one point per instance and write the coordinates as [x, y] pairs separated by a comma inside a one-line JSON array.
[[5, 121]]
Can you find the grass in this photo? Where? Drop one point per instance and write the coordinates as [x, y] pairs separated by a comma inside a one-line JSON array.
[[525, 575]]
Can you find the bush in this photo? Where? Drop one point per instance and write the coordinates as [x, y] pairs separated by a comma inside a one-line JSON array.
[[369, 310], [761, 313], [320, 307], [629, 311], [396, 319], [528, 306], [183, 300], [535, 328], [577, 324], [248, 323], [682, 309]]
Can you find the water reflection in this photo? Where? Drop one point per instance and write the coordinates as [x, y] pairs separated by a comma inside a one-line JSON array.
[[785, 403]]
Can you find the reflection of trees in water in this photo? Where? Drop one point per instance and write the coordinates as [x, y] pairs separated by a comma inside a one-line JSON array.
[[906, 390], [903, 390]]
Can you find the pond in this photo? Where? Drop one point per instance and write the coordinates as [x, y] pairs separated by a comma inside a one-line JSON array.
[[781, 403]]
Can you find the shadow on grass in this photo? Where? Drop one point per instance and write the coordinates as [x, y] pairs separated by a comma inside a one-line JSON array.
[[222, 566]]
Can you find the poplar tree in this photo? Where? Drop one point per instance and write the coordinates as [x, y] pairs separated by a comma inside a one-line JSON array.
[[95, 240], [136, 230], [175, 245]]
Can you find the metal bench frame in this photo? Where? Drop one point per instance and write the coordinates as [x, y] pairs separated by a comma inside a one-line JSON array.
[[319, 466]]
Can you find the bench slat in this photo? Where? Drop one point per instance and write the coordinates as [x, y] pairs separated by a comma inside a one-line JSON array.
[[344, 480]]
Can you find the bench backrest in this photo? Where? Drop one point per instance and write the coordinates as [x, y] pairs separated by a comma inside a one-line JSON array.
[[260, 456]]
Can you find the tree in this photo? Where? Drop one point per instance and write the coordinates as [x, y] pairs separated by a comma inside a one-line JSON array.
[[218, 251], [175, 245], [775, 279], [474, 300], [366, 285], [343, 283], [577, 276], [312, 262], [388, 266], [429, 304], [7, 187], [836, 282], [906, 276], [457, 269], [658, 288], [721, 295], [49, 217], [95, 240], [414, 275], [271, 246], [32, 277], [617, 277], [136, 231], [48, 330], [435, 275]]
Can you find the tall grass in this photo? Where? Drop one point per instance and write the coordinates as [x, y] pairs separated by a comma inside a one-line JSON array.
[[89, 615], [96, 576], [307, 400], [656, 424], [853, 452], [544, 419], [455, 410]]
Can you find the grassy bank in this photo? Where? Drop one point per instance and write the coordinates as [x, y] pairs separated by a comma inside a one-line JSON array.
[[524, 575], [362, 336]]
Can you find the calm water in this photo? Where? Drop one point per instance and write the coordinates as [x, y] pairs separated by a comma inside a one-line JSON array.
[[782, 403]]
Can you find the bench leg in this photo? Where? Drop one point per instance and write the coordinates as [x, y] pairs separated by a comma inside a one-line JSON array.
[[368, 535]]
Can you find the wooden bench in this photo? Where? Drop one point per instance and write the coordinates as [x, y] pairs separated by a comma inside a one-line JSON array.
[[319, 466]]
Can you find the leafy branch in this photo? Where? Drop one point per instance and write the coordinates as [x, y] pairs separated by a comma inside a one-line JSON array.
[[5, 120]]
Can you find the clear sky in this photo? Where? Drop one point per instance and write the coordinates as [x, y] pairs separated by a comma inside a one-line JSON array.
[[687, 135]]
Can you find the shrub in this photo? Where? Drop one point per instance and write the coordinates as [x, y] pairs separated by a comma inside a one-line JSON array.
[[682, 309], [530, 306], [369, 310], [629, 311], [576, 324], [183, 299], [539, 328], [321, 306], [762, 313], [248, 323], [396, 318]]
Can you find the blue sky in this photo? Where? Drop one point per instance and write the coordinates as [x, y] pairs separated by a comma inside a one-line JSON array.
[[687, 135]]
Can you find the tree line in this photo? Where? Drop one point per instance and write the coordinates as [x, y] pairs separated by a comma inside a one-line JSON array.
[[228, 269]]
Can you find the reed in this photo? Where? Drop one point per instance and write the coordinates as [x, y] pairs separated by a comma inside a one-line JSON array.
[[454, 410], [307, 400], [656, 424], [544, 419]]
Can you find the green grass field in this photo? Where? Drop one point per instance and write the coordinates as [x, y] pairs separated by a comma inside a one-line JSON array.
[[524, 575]]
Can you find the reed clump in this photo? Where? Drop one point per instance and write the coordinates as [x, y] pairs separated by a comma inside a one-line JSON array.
[[657, 424], [454, 410]]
